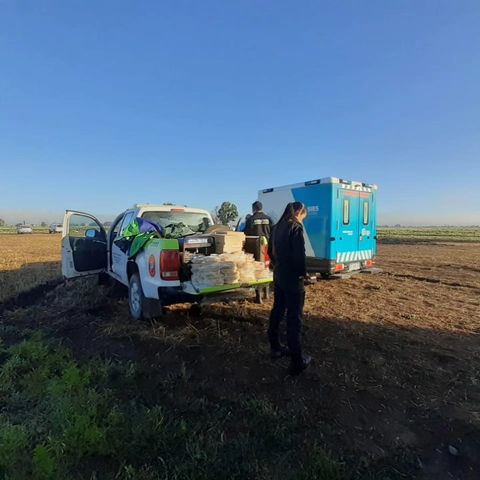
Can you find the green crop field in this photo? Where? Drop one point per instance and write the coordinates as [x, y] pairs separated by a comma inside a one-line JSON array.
[[428, 234]]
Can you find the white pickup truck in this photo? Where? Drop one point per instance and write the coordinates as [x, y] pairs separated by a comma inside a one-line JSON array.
[[159, 274]]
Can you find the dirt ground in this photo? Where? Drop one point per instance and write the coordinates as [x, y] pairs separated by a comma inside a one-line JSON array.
[[27, 261], [394, 391]]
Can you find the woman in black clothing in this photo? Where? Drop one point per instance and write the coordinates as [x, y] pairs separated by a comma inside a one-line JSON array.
[[287, 253]]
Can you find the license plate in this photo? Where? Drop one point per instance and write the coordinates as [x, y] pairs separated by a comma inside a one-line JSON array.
[[354, 266], [197, 240]]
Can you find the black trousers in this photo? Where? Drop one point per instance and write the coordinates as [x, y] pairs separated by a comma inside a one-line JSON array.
[[289, 299]]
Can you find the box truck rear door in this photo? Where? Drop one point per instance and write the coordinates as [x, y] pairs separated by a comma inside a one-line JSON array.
[[366, 231], [348, 225]]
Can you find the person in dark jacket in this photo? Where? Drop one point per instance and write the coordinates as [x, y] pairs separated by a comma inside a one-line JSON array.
[[259, 224], [287, 255]]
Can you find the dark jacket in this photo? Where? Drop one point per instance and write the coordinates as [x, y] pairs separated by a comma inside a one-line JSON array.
[[287, 253], [259, 225]]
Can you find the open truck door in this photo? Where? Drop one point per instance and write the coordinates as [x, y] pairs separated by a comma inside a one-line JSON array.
[[84, 245]]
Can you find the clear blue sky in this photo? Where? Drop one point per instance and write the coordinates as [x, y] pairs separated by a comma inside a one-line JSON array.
[[105, 103]]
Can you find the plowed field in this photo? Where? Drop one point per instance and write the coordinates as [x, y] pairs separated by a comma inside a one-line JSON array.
[[394, 390]]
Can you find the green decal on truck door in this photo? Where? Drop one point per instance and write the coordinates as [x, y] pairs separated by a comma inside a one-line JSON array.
[[164, 244], [141, 241]]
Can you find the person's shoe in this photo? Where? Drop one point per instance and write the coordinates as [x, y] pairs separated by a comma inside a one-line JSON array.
[[283, 352], [298, 368]]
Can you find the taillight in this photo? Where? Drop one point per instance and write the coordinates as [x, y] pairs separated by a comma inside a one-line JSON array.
[[369, 263], [266, 256], [339, 267], [169, 264]]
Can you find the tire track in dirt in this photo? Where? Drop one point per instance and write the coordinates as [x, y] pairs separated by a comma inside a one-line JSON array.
[[453, 266], [464, 267], [433, 280]]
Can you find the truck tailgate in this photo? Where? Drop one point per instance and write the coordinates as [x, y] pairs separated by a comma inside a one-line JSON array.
[[188, 287]]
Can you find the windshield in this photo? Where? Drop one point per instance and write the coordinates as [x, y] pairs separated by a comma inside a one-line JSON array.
[[179, 224]]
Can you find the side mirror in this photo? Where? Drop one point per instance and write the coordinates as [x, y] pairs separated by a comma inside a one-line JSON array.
[[91, 233]]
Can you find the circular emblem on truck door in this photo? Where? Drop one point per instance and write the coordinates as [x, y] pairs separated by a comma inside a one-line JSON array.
[[151, 265]]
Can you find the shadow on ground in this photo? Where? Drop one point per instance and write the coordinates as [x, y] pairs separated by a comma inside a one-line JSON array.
[[28, 284], [389, 401]]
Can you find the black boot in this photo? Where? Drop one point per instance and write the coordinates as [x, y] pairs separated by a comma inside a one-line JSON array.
[[297, 367], [281, 352]]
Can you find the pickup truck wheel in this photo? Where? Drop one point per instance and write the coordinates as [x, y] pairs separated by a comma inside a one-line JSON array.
[[136, 298]]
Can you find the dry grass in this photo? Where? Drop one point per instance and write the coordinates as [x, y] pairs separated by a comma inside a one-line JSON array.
[[27, 261], [396, 376]]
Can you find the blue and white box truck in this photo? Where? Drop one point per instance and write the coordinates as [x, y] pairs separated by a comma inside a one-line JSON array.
[[341, 226]]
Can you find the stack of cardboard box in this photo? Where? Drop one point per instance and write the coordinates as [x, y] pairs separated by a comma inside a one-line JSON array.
[[227, 269], [229, 242]]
